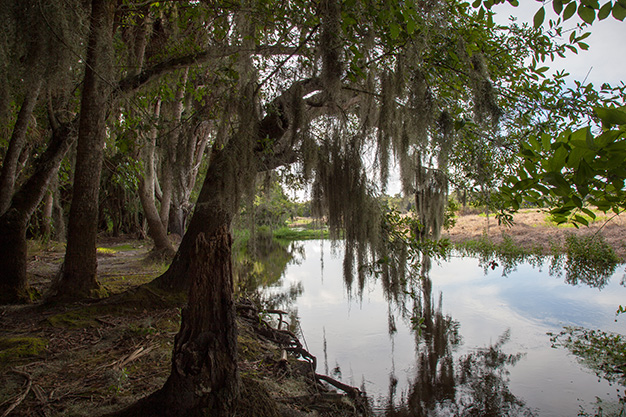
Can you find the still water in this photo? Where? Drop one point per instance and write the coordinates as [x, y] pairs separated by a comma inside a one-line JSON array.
[[484, 344]]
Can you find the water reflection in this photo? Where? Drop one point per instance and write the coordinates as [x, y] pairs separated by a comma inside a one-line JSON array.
[[605, 354], [401, 336], [260, 262], [586, 260], [476, 384]]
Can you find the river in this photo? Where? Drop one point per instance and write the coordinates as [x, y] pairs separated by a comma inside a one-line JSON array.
[[464, 340]]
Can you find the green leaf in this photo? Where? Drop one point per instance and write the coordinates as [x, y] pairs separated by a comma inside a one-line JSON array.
[[546, 140], [611, 116], [605, 11], [561, 186], [524, 184], [394, 30], [557, 162], [557, 5], [539, 17], [619, 12], [587, 13], [581, 220], [584, 174], [589, 213], [569, 11]]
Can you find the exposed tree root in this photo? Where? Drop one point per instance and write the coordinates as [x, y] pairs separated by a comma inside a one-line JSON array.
[[292, 344], [19, 398]]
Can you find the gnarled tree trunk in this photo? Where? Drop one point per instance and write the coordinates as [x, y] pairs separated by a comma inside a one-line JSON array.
[[16, 144], [156, 229], [218, 203]]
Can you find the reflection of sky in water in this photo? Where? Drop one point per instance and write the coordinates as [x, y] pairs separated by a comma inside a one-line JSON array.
[[528, 302]]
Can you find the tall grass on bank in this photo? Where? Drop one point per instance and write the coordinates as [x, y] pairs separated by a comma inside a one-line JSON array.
[[507, 253]]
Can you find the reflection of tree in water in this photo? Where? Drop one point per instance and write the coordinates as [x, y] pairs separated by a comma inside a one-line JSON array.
[[259, 263], [586, 260], [473, 385]]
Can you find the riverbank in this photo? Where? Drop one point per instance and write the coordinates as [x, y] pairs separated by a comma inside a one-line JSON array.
[[533, 230], [85, 359]]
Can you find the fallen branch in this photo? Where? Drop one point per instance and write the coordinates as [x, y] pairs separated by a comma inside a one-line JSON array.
[[20, 398], [351, 391]]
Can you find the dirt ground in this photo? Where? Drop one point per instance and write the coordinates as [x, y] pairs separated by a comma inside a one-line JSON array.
[[95, 357], [533, 228]]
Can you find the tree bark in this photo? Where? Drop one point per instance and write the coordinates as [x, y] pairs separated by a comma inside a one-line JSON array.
[[204, 378], [217, 205], [156, 229], [170, 163], [46, 215], [13, 223], [78, 277], [16, 144]]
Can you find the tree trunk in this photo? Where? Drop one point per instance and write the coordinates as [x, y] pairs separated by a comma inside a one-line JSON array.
[[13, 223], [217, 204], [13, 278], [204, 378], [78, 277], [16, 144], [156, 229], [46, 215], [177, 220], [58, 215]]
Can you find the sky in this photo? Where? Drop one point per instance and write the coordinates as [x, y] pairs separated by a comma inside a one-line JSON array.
[[605, 61]]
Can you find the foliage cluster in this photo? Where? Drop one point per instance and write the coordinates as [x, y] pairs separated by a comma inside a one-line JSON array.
[[588, 260], [574, 171], [603, 352]]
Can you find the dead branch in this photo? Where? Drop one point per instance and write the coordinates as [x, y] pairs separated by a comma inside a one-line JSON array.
[[134, 355], [351, 391]]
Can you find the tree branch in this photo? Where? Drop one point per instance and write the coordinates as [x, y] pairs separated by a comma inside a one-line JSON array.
[[132, 83]]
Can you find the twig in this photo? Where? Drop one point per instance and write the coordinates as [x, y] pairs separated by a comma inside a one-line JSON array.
[[103, 321], [136, 354], [20, 398], [606, 222]]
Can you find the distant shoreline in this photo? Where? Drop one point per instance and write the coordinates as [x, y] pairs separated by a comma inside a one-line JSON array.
[[532, 228]]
